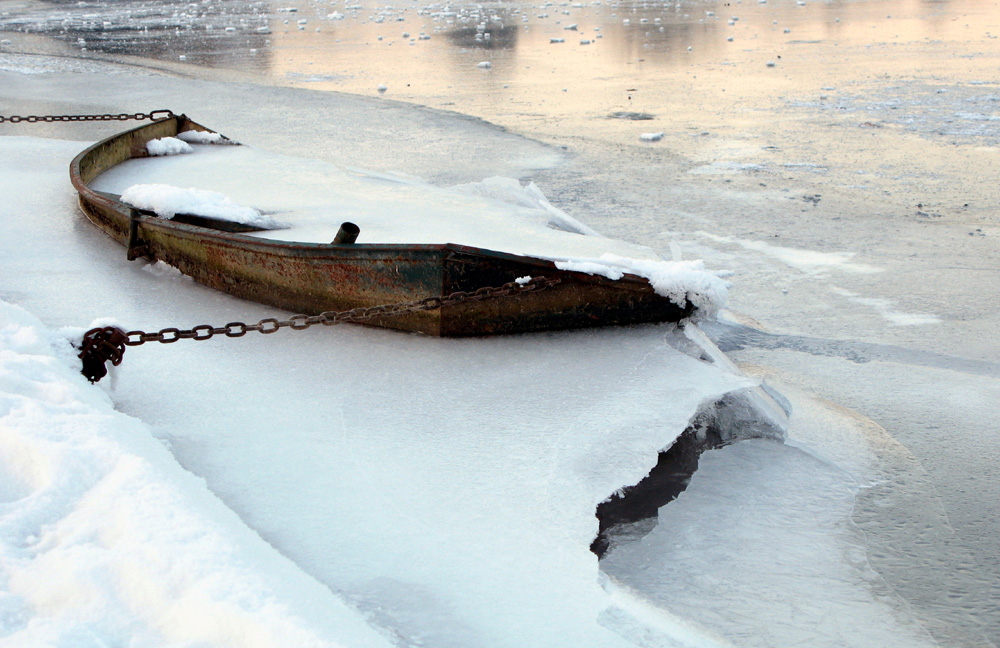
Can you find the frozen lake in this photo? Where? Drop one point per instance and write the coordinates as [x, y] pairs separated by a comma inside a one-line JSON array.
[[839, 158]]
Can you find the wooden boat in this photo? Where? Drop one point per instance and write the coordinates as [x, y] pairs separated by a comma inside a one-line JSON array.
[[311, 278]]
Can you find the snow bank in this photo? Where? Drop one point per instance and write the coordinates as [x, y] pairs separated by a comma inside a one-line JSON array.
[[106, 540], [168, 146], [168, 201]]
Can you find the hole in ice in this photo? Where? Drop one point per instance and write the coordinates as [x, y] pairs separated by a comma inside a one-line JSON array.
[[631, 512]]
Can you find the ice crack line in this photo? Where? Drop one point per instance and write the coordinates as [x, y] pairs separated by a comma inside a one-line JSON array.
[[734, 337]]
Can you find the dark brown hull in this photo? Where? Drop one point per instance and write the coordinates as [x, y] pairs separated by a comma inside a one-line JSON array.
[[312, 278]]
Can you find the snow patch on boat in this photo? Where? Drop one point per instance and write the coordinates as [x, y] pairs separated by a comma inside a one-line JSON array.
[[679, 281], [199, 137], [167, 201], [168, 146]]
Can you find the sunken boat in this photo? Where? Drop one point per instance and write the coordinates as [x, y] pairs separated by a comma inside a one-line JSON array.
[[314, 278]]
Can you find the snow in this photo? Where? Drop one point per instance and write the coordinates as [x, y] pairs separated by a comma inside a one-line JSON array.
[[104, 538], [168, 201], [168, 146], [680, 281], [199, 137]]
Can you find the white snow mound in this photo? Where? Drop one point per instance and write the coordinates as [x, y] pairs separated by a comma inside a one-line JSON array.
[[199, 137], [168, 201], [168, 146]]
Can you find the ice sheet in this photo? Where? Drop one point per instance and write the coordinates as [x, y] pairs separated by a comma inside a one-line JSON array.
[[769, 529], [446, 488]]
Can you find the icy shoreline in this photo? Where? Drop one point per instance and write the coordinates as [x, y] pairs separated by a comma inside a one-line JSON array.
[[867, 102], [104, 537]]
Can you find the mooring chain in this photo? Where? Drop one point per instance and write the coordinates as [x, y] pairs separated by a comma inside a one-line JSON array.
[[34, 119], [108, 343]]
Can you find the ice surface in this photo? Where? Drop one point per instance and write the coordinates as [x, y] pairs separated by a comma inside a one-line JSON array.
[[768, 527], [511, 191], [811, 261], [445, 488], [317, 197], [935, 389], [887, 309]]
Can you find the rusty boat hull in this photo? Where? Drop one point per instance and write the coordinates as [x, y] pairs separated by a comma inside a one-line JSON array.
[[312, 278]]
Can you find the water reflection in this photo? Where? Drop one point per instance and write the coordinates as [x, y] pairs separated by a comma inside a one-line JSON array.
[[317, 40], [224, 33], [496, 37]]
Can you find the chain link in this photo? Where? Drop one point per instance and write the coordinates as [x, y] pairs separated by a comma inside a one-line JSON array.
[[330, 318], [34, 119]]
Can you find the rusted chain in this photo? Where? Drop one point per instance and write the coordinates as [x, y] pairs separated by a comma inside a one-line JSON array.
[[34, 119], [108, 343], [329, 318], [99, 346]]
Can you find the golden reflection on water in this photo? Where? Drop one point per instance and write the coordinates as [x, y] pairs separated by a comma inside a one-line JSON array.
[[674, 62]]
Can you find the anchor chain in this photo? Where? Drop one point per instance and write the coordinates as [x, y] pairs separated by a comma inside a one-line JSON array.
[[34, 119], [108, 343]]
